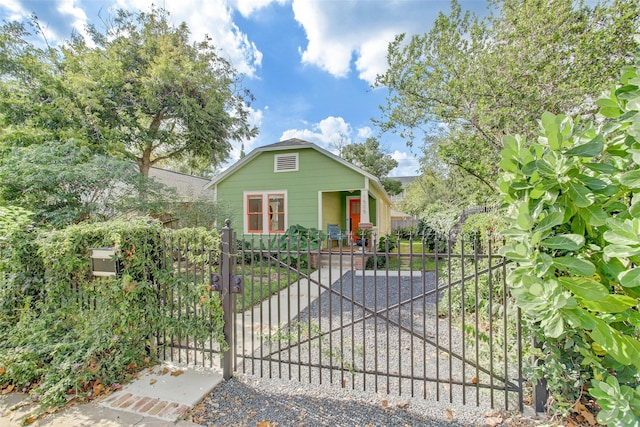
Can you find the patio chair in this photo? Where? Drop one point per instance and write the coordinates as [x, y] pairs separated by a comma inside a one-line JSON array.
[[334, 233]]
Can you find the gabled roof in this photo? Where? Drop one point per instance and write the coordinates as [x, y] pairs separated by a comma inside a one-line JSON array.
[[188, 187], [292, 144], [405, 180]]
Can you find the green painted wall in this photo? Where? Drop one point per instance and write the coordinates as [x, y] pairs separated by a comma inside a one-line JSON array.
[[317, 172], [332, 209]]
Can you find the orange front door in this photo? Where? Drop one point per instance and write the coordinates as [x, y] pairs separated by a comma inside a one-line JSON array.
[[354, 217]]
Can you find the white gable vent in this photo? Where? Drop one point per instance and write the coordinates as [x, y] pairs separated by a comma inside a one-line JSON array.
[[286, 162]]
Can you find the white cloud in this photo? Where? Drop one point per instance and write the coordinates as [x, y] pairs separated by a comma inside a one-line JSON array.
[[255, 119], [324, 49], [329, 133], [365, 132], [341, 31], [247, 7], [334, 132], [408, 164], [79, 18], [213, 18], [372, 60], [15, 9], [12, 10]]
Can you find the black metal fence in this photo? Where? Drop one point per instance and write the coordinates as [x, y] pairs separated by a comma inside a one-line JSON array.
[[426, 317]]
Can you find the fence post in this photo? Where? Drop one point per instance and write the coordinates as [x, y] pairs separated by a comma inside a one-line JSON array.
[[228, 290], [540, 393]]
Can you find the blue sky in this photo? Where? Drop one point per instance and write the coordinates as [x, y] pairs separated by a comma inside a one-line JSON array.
[[309, 63]]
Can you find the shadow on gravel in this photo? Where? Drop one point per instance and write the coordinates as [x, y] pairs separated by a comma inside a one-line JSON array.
[[235, 403]]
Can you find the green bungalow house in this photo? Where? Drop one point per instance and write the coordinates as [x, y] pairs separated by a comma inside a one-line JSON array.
[[295, 182]]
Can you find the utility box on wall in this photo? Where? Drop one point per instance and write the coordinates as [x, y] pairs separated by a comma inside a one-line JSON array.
[[104, 262]]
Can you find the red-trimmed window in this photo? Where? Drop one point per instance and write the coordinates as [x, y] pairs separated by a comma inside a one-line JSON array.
[[265, 212], [276, 213], [254, 213]]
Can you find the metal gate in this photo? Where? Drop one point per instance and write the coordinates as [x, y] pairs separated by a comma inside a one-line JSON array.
[[430, 318]]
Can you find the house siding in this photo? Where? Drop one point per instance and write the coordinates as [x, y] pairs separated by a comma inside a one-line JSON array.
[[332, 208], [316, 172]]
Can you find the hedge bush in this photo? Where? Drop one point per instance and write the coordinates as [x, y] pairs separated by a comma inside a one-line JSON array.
[[80, 336], [574, 197]]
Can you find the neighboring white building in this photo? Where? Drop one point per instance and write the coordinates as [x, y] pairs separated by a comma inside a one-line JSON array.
[[188, 187], [400, 219]]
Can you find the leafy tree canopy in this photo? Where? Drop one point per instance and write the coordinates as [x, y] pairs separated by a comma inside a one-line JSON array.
[[63, 183], [486, 77], [153, 96], [36, 105], [369, 157], [440, 188], [141, 91]]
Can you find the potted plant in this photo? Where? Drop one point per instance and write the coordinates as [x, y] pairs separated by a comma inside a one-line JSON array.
[[364, 234]]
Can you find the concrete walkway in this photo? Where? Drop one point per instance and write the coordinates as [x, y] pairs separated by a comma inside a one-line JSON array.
[[160, 396]]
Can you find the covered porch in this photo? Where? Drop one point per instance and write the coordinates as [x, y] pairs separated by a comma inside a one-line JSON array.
[[348, 216]]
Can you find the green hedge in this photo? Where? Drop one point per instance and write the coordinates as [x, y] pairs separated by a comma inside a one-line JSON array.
[[574, 197], [78, 335]]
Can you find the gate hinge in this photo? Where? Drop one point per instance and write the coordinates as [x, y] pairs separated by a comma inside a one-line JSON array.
[[216, 282], [237, 283]]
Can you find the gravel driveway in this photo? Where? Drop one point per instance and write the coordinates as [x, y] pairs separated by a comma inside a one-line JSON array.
[[248, 400]]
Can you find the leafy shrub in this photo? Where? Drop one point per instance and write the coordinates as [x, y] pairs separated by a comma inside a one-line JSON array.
[[84, 335], [21, 269], [406, 232], [196, 213], [289, 247], [64, 182], [388, 243], [481, 225], [439, 218], [574, 198], [194, 245]]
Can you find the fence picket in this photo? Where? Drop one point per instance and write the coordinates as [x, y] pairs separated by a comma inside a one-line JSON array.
[[440, 320]]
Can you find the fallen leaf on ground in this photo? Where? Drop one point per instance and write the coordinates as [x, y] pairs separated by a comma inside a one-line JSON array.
[[493, 421], [449, 413], [384, 403], [584, 413], [153, 381], [177, 373], [97, 389], [403, 405]]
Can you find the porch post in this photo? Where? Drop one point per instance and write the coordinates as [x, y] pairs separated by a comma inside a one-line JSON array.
[[365, 225], [364, 206]]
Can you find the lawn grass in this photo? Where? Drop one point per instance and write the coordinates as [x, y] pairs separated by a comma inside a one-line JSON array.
[[407, 247], [261, 280], [415, 262], [411, 257]]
